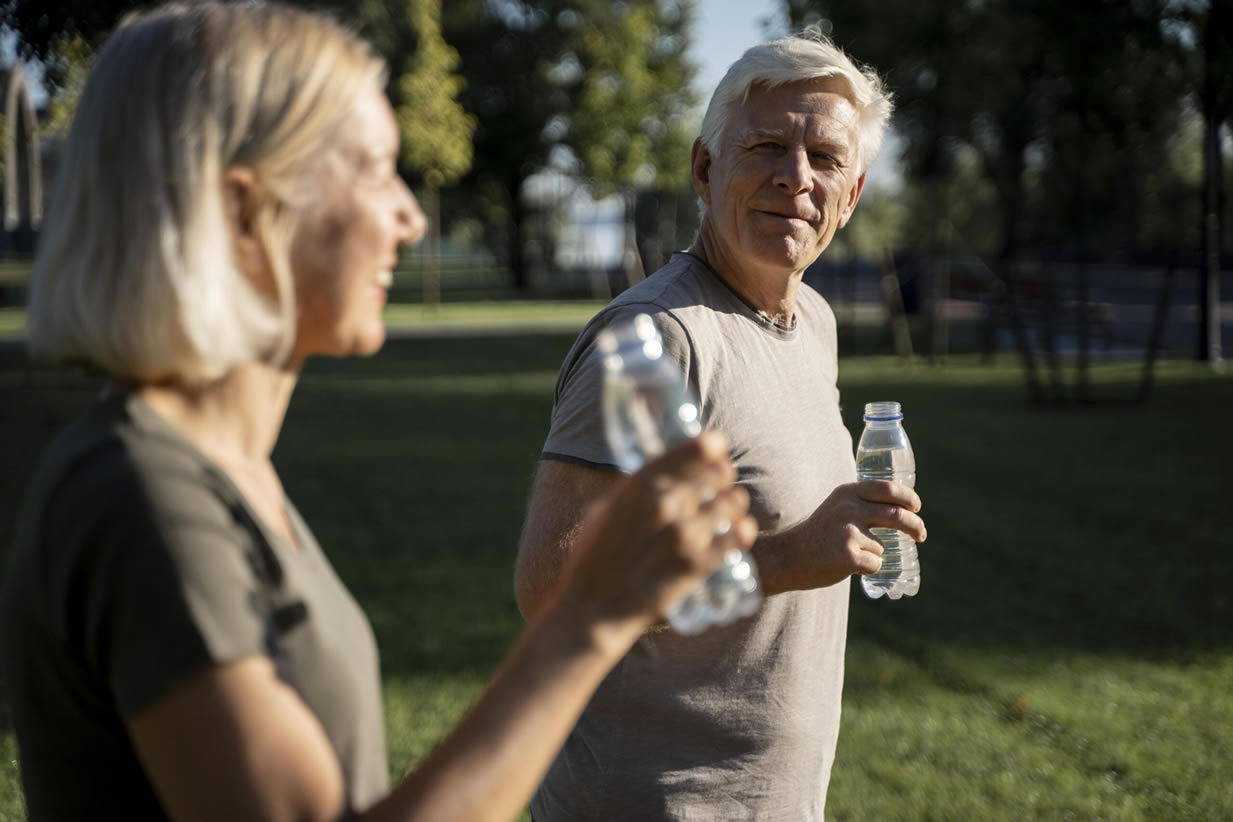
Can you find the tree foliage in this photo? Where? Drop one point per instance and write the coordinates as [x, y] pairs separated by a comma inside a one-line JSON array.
[[1067, 105], [436, 130], [490, 92], [73, 57], [43, 27], [511, 53], [629, 125], [582, 86]]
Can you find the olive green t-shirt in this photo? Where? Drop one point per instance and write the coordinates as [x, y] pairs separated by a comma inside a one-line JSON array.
[[739, 722], [137, 563]]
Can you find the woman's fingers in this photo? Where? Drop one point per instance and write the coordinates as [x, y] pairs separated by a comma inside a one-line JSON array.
[[700, 461], [720, 525]]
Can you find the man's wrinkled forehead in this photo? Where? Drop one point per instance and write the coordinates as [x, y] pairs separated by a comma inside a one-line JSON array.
[[755, 116], [835, 84]]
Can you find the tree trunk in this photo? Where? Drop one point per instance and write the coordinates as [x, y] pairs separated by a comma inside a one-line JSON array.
[[1209, 267], [1030, 377], [647, 210], [936, 331], [519, 269], [1083, 328], [631, 259], [1012, 204], [667, 224], [430, 259]]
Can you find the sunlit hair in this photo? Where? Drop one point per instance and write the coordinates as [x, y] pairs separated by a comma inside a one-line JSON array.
[[807, 56], [135, 274]]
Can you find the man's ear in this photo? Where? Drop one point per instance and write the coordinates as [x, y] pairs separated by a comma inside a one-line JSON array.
[[854, 195], [242, 199], [700, 170]]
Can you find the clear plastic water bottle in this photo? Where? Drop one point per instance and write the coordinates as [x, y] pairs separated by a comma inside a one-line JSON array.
[[885, 453], [648, 409]]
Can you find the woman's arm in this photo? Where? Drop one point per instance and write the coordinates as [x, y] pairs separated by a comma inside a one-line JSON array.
[[235, 742]]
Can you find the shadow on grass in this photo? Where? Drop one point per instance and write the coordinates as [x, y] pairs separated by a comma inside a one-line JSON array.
[[1096, 528]]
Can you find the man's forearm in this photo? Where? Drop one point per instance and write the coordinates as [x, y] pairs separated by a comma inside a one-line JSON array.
[[774, 555], [798, 560]]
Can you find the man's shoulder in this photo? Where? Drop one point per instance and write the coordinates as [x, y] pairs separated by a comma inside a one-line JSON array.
[[684, 294], [814, 309], [811, 297], [683, 282]]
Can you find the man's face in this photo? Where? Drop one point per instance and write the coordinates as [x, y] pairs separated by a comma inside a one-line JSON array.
[[786, 176]]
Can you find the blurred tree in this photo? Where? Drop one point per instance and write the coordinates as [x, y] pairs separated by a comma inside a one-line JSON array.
[[598, 88], [518, 88], [629, 125], [1026, 85], [72, 58], [436, 130], [62, 37], [1202, 31], [1070, 105], [424, 84], [42, 27], [963, 75]]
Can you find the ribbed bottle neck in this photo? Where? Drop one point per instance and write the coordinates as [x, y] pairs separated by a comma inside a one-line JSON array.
[[883, 412]]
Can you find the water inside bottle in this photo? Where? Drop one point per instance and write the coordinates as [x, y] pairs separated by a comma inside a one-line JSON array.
[[900, 572], [644, 417], [647, 410]]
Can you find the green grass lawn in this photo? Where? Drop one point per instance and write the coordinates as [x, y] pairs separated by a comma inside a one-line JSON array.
[[418, 318], [1070, 655]]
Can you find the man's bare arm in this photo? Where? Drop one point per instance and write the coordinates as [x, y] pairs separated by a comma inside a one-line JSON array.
[[560, 497], [835, 541], [826, 548]]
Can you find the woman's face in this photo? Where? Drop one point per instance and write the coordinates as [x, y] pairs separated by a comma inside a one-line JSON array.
[[346, 245]]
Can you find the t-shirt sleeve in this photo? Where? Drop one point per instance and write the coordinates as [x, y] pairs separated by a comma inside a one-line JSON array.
[[576, 433], [158, 576]]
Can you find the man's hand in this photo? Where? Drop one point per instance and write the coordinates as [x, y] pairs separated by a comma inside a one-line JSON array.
[[835, 541]]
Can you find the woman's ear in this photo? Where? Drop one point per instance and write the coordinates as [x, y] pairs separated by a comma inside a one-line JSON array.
[[242, 200]]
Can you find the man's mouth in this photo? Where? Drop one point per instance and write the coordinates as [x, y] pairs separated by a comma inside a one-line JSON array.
[[804, 218]]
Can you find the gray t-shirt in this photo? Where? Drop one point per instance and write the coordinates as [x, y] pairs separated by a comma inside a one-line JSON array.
[[739, 722], [137, 563]]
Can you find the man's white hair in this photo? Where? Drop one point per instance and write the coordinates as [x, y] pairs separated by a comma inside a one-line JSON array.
[[809, 55]]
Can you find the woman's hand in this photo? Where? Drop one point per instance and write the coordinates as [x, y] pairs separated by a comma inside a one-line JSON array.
[[657, 534]]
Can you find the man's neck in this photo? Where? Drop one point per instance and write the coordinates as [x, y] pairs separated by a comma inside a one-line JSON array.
[[771, 292]]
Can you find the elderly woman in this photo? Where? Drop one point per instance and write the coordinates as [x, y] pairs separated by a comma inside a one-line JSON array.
[[175, 643]]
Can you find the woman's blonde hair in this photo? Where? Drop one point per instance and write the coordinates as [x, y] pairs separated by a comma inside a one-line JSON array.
[[135, 274]]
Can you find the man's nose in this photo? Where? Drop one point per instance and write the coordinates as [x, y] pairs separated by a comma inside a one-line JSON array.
[[795, 174]]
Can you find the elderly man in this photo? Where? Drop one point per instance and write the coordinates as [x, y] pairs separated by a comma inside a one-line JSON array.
[[739, 722]]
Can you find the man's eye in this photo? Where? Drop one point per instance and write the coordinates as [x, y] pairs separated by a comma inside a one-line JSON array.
[[766, 145]]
